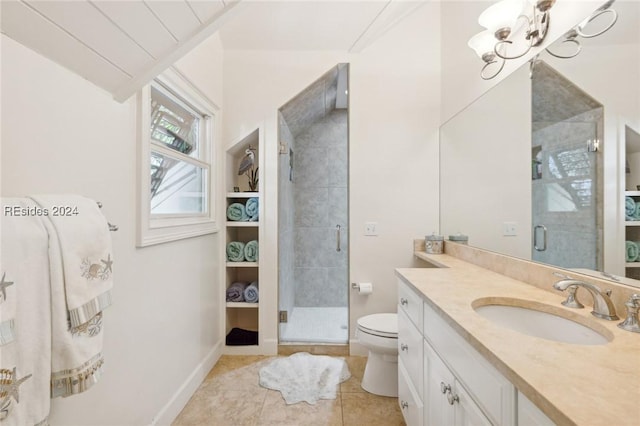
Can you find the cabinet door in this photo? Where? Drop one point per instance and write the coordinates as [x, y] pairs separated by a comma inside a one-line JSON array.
[[408, 399], [466, 412], [437, 377]]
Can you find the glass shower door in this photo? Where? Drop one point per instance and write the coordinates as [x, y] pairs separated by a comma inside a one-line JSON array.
[[564, 190]]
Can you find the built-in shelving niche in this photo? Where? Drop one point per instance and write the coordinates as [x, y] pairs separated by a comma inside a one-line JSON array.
[[242, 315]]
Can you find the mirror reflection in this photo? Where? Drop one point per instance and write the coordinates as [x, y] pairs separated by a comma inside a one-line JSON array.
[[540, 165]]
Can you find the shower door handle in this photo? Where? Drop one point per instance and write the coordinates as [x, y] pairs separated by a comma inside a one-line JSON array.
[[544, 237], [337, 237]]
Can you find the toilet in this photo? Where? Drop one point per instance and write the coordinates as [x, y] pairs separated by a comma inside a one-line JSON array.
[[379, 334]]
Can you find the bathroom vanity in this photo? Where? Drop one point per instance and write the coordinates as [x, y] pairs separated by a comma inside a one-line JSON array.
[[458, 367]]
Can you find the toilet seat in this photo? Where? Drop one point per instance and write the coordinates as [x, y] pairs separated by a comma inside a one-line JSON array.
[[381, 325]]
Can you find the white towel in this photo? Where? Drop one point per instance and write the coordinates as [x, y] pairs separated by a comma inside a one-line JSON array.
[[25, 361], [85, 244], [76, 352]]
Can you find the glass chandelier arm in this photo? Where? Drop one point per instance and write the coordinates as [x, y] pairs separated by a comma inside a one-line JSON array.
[[614, 19], [573, 55], [486, 65]]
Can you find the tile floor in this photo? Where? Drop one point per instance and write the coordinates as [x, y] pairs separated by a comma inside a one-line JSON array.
[[231, 395]]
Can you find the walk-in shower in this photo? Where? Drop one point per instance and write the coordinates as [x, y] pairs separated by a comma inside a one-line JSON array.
[[566, 172], [313, 214]]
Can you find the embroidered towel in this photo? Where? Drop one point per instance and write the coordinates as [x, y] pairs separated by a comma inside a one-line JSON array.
[[85, 244], [25, 361], [76, 351]]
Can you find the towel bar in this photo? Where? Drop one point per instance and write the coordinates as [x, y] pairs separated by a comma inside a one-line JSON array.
[[112, 228]]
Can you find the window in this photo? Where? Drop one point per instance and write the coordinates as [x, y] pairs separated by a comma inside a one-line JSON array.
[[176, 132]]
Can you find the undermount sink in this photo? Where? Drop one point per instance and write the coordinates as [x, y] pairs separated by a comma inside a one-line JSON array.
[[540, 320]]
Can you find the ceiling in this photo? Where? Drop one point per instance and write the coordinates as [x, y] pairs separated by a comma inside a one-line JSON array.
[[118, 45], [312, 24], [121, 45]]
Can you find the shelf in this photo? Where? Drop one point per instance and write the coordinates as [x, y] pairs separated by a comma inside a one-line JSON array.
[[632, 265], [632, 193], [242, 305], [239, 224], [245, 195], [632, 223], [242, 264]]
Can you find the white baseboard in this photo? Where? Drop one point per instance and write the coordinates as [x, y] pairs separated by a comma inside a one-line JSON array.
[[170, 411]]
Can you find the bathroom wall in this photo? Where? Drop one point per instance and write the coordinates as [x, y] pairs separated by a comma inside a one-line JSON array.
[[321, 202], [61, 134], [394, 90]]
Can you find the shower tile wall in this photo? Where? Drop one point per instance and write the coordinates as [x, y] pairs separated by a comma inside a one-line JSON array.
[[320, 197], [286, 221]]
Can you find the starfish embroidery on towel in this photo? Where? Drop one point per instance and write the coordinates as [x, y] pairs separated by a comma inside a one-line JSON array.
[[3, 287], [10, 387], [107, 263]]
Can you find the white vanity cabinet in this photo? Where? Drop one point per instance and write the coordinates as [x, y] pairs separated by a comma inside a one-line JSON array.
[[530, 415], [446, 400], [453, 383], [410, 337]]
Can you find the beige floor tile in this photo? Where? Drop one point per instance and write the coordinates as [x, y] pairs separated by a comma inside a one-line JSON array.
[[356, 366], [370, 410], [235, 375], [222, 408], [333, 350], [231, 395], [276, 412], [228, 363]]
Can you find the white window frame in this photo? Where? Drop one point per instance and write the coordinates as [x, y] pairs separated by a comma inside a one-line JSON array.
[[157, 229]]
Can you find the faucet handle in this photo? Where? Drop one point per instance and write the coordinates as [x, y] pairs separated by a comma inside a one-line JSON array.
[[631, 323], [571, 301]]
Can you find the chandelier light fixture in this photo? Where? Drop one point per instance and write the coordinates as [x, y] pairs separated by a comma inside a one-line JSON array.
[[513, 27]]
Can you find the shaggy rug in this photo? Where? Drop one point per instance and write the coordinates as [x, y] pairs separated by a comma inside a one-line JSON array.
[[305, 377]]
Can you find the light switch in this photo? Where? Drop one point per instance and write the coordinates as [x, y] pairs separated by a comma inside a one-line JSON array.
[[509, 229], [371, 228]]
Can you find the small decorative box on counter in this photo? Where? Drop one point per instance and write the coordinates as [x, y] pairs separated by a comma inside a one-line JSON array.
[[434, 243], [459, 238]]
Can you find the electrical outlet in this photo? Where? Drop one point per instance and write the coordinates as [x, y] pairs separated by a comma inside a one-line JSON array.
[[371, 228], [509, 229]]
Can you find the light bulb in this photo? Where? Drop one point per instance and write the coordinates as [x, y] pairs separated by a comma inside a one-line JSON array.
[[503, 14]]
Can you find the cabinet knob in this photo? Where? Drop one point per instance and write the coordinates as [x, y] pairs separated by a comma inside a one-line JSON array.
[[444, 388], [404, 301], [404, 404], [452, 398], [404, 347]]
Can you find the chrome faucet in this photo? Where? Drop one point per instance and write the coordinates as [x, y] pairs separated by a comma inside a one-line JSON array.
[[602, 305], [632, 323]]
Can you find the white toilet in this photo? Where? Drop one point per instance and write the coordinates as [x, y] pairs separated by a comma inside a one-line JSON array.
[[379, 334]]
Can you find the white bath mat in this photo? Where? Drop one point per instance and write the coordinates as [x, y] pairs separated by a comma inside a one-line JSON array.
[[305, 377]]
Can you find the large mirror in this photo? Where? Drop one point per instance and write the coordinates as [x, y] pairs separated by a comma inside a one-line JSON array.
[[540, 165]]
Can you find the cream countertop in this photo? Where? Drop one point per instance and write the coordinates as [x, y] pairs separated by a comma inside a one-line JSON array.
[[571, 384]]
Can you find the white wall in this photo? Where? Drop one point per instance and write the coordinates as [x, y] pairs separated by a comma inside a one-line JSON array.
[[61, 134], [393, 159], [485, 169]]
